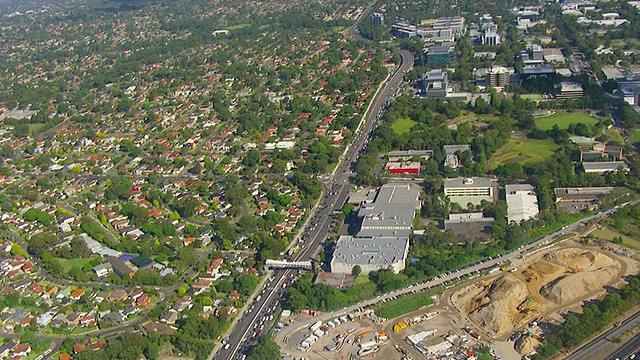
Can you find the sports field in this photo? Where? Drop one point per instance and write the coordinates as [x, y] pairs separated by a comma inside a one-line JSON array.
[[532, 97], [402, 126], [523, 150], [563, 120]]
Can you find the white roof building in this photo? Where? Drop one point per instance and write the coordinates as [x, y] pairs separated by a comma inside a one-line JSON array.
[[522, 202]]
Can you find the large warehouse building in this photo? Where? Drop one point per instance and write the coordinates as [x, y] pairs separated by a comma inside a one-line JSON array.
[[382, 240], [370, 254]]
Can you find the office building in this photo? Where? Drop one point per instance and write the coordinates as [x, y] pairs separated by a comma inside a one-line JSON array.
[[454, 23], [490, 35], [440, 54], [533, 54], [522, 202], [537, 72], [574, 200], [451, 154], [553, 55], [403, 30], [435, 84], [499, 76], [469, 190], [377, 19], [568, 90]]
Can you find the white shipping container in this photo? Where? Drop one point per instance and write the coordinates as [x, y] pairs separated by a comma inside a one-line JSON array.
[[315, 326]]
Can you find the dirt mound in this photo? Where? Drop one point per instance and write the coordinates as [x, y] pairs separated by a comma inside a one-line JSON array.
[[573, 286], [496, 311], [527, 344]]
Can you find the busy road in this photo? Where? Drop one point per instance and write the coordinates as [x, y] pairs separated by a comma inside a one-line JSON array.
[[251, 325]]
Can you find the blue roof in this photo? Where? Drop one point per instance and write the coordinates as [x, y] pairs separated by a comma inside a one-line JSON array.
[[127, 257]]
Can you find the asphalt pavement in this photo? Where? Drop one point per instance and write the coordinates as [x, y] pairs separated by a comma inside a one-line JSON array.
[[628, 351], [335, 195]]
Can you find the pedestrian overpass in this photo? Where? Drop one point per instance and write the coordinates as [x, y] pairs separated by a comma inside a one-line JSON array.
[[280, 264]]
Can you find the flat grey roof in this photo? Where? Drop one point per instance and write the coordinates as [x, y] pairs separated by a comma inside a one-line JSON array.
[[459, 182], [374, 250], [391, 213], [604, 166], [452, 149], [537, 70], [411, 153], [581, 192]]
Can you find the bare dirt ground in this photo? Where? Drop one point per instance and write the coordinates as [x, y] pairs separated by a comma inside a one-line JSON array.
[[544, 286], [553, 279]]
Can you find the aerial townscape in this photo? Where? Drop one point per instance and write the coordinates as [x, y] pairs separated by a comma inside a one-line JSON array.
[[312, 180]]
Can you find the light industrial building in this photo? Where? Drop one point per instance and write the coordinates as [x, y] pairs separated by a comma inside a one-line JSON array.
[[469, 190], [407, 155], [382, 240], [604, 167], [522, 202], [391, 213], [371, 254], [409, 167]]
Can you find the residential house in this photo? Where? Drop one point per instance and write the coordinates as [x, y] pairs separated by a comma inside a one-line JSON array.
[[143, 301], [117, 295], [76, 294], [5, 349], [22, 349], [170, 317]]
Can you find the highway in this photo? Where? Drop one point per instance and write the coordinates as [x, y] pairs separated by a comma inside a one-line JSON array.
[[321, 220], [628, 351], [595, 346]]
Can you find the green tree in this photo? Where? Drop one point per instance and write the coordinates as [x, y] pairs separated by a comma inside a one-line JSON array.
[[266, 349], [356, 271]]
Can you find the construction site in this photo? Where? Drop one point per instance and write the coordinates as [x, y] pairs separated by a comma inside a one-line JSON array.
[[519, 303], [510, 307]]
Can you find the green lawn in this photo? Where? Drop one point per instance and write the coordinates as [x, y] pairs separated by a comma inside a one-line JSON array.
[[615, 135], [523, 150], [67, 264], [563, 120], [404, 305], [608, 234], [402, 126], [636, 134], [362, 279], [532, 97]]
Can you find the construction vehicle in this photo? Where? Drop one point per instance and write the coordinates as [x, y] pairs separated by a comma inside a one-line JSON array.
[[525, 306], [575, 270]]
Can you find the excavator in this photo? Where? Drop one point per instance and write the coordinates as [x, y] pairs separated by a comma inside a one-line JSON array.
[[575, 270]]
